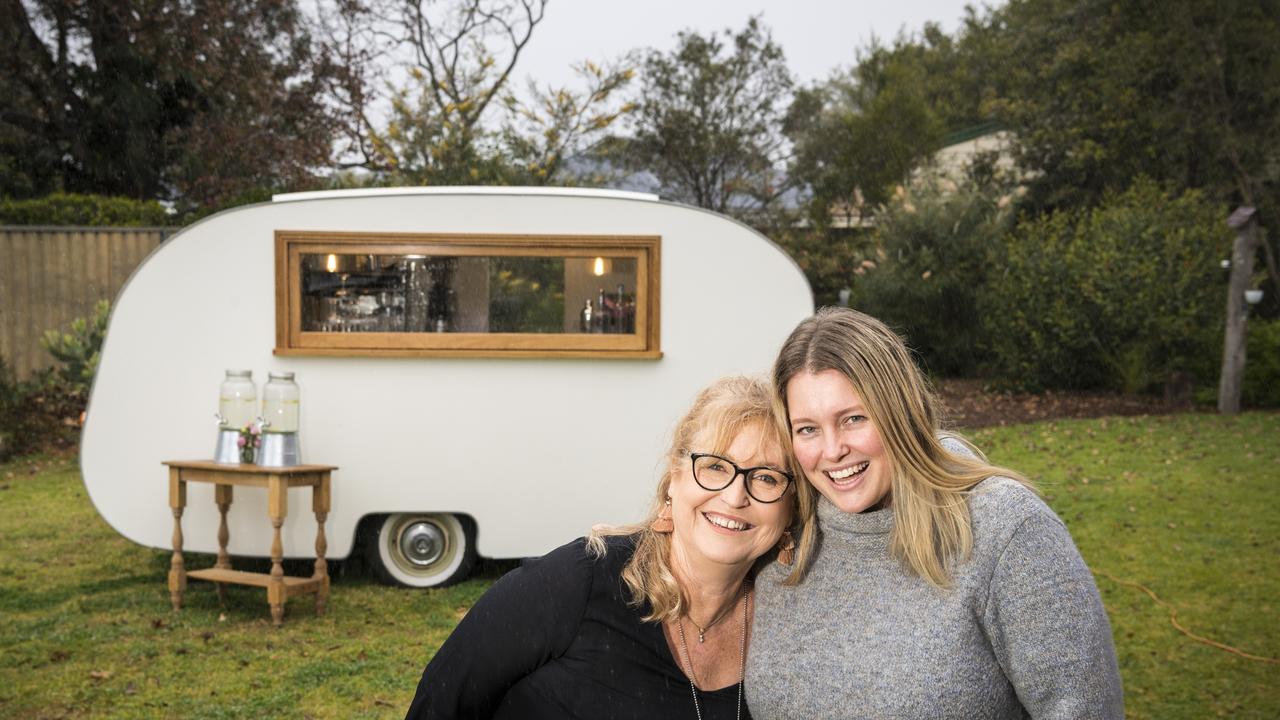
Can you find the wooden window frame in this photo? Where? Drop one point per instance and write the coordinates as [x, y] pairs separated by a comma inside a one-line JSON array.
[[291, 245]]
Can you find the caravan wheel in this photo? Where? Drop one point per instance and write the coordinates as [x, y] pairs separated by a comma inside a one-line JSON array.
[[422, 549]]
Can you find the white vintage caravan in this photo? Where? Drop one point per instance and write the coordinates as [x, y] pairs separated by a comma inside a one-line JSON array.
[[492, 370]]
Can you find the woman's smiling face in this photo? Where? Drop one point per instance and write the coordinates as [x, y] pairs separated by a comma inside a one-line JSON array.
[[835, 441], [728, 526]]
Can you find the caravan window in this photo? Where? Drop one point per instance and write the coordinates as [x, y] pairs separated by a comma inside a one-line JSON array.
[[354, 293]]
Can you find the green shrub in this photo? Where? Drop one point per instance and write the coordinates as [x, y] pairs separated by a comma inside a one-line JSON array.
[[79, 348], [11, 399], [43, 413], [1125, 296], [827, 256], [932, 259], [188, 214], [1262, 364], [39, 414], [92, 210]]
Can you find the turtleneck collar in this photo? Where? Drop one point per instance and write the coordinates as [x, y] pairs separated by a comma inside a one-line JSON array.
[[832, 519]]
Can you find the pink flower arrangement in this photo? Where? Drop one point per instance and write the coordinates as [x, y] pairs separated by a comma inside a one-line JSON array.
[[249, 440]]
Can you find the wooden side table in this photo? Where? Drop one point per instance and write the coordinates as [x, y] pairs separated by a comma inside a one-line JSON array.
[[277, 481]]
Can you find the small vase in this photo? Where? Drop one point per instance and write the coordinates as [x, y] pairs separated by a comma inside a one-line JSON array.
[[246, 455]]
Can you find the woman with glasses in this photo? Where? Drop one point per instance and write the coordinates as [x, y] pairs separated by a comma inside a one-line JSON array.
[[646, 621], [940, 586]]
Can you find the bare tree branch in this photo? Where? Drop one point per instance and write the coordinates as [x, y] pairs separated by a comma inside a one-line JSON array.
[[453, 52]]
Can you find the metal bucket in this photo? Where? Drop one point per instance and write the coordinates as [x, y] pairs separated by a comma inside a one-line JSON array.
[[279, 450]]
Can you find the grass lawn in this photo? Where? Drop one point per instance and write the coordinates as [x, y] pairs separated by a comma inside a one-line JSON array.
[[1185, 505]]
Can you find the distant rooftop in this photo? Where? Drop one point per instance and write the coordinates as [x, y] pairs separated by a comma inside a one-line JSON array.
[[970, 133]]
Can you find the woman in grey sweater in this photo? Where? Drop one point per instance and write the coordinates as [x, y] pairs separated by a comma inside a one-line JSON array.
[[934, 584]]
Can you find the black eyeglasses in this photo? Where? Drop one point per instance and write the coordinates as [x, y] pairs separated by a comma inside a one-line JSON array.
[[763, 484]]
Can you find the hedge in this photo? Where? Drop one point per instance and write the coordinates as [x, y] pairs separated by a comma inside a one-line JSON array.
[[84, 210]]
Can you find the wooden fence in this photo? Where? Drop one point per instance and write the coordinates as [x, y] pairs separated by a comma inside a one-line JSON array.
[[51, 275]]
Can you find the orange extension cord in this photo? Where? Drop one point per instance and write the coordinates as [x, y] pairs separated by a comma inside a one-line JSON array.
[[1173, 618]]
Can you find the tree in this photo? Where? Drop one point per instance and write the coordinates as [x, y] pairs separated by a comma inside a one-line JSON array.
[[457, 121], [145, 99], [708, 120], [557, 126], [954, 75], [421, 146], [356, 50], [262, 90], [862, 133], [1186, 92], [462, 54], [859, 137]]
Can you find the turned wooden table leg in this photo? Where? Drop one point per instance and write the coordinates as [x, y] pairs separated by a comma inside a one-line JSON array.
[[177, 571], [320, 505], [222, 495], [277, 508]]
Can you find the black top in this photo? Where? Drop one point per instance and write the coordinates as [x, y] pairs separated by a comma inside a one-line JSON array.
[[555, 638]]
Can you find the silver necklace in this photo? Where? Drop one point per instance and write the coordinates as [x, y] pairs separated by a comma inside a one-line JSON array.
[[742, 657]]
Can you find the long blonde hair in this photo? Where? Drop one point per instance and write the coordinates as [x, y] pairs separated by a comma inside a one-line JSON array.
[[724, 409], [932, 529]]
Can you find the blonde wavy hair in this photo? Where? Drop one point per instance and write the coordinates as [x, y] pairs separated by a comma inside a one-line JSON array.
[[932, 529], [719, 413]]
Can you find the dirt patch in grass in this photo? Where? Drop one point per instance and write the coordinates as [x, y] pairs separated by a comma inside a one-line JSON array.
[[970, 404]]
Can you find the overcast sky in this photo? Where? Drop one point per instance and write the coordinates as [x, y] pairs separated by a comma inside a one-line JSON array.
[[817, 35]]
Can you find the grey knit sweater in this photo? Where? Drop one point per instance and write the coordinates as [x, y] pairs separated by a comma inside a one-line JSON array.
[[1021, 633]]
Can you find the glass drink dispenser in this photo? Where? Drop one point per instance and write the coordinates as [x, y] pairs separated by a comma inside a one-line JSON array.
[[280, 422], [237, 402]]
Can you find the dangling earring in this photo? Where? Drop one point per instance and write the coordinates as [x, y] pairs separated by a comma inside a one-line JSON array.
[[663, 523], [787, 548]]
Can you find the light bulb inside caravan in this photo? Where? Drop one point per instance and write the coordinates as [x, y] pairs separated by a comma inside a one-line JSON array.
[[331, 263], [598, 268]]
